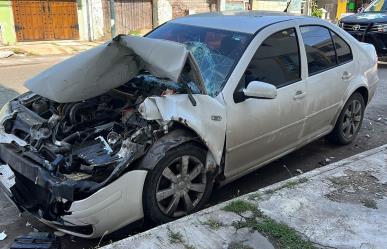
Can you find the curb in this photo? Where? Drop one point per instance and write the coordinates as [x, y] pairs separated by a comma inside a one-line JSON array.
[[146, 238]]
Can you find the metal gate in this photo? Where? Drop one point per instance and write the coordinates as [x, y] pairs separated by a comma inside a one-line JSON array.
[[133, 15], [45, 19]]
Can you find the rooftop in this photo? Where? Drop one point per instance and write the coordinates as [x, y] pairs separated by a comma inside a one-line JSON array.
[[241, 21]]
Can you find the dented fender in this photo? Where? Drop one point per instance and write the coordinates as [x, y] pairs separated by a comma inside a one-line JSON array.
[[207, 118]]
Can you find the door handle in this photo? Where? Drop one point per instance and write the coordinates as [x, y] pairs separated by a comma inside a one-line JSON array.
[[346, 76], [299, 95]]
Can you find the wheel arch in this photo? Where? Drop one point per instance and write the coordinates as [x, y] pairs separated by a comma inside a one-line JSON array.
[[179, 134], [360, 89]]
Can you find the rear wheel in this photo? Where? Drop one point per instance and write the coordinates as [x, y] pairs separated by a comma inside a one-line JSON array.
[[178, 185], [349, 122]]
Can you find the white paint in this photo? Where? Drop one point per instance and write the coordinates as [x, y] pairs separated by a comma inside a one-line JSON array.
[[199, 118], [110, 65], [112, 207], [3, 235], [163, 11]]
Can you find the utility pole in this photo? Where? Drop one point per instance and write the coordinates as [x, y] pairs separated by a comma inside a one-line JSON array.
[[112, 18]]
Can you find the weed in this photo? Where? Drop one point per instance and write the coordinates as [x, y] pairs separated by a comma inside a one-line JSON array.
[[369, 203], [213, 224], [175, 237], [288, 184], [255, 196], [239, 246], [239, 207], [283, 235]]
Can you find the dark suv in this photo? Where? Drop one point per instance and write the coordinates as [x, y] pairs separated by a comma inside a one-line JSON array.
[[370, 26]]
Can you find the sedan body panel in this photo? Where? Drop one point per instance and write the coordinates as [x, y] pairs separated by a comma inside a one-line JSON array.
[[207, 118]]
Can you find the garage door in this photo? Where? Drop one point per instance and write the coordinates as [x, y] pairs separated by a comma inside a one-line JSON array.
[[45, 19], [133, 15]]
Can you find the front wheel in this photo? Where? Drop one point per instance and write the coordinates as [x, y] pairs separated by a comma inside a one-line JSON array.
[[349, 122], [178, 185]]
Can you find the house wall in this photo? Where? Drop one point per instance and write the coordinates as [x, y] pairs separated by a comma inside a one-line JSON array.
[[90, 19], [277, 5], [162, 12], [7, 26]]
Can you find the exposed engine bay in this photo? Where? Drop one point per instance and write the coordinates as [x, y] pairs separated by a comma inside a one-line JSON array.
[[85, 145]]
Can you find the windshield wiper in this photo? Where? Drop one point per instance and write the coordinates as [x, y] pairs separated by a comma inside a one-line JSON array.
[[189, 92]]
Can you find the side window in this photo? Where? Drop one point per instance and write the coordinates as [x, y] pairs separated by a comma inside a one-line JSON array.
[[343, 50], [277, 60], [320, 51]]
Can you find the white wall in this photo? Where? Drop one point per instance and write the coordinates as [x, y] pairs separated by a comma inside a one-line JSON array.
[[90, 19]]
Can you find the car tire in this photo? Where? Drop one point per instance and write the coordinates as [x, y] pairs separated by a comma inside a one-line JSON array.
[[350, 120], [169, 191]]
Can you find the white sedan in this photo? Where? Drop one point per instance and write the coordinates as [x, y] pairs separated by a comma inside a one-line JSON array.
[[143, 127]]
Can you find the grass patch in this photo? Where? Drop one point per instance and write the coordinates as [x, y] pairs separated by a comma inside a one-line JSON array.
[[136, 33], [369, 203], [282, 235], [288, 184], [239, 246], [255, 196], [175, 237], [239, 207], [213, 224]]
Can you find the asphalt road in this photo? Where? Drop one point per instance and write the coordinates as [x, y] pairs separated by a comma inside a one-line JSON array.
[[14, 71]]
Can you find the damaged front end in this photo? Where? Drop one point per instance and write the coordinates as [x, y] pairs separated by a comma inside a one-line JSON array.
[[63, 152], [79, 131], [73, 142]]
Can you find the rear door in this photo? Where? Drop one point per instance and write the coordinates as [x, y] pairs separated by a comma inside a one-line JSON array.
[[330, 69]]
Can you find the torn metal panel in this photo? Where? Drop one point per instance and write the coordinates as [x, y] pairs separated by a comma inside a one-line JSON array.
[[207, 118], [112, 64]]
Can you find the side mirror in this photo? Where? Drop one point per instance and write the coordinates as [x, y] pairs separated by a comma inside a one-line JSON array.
[[258, 89]]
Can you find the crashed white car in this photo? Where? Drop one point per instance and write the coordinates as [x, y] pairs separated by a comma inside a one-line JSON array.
[[143, 127]]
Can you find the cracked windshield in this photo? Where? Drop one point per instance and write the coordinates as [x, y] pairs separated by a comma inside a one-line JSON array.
[[215, 51]]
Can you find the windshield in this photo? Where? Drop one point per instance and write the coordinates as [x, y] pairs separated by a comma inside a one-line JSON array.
[[377, 6], [215, 51]]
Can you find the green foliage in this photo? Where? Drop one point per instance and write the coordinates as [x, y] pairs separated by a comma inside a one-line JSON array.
[[316, 11]]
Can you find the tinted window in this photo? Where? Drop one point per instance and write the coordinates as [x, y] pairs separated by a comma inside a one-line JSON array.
[[342, 49], [319, 48], [277, 60]]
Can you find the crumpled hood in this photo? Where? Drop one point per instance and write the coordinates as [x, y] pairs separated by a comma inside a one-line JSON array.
[[111, 65]]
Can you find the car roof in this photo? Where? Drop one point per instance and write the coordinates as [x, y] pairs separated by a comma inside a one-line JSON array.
[[240, 21]]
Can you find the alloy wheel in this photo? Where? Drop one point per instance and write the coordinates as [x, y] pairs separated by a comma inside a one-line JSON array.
[[181, 186], [352, 119]]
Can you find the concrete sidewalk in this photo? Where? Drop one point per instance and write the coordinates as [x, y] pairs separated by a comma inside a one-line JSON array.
[[342, 205], [45, 48]]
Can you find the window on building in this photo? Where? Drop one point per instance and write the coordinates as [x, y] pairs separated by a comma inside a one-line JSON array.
[[277, 60]]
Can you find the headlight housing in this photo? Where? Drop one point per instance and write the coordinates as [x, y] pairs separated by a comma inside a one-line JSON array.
[[381, 27], [5, 112]]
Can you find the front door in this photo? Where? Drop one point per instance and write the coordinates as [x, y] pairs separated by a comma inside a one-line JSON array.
[[261, 129], [45, 20]]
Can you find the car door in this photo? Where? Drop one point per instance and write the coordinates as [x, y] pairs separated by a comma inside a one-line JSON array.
[[260, 129], [330, 70]]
